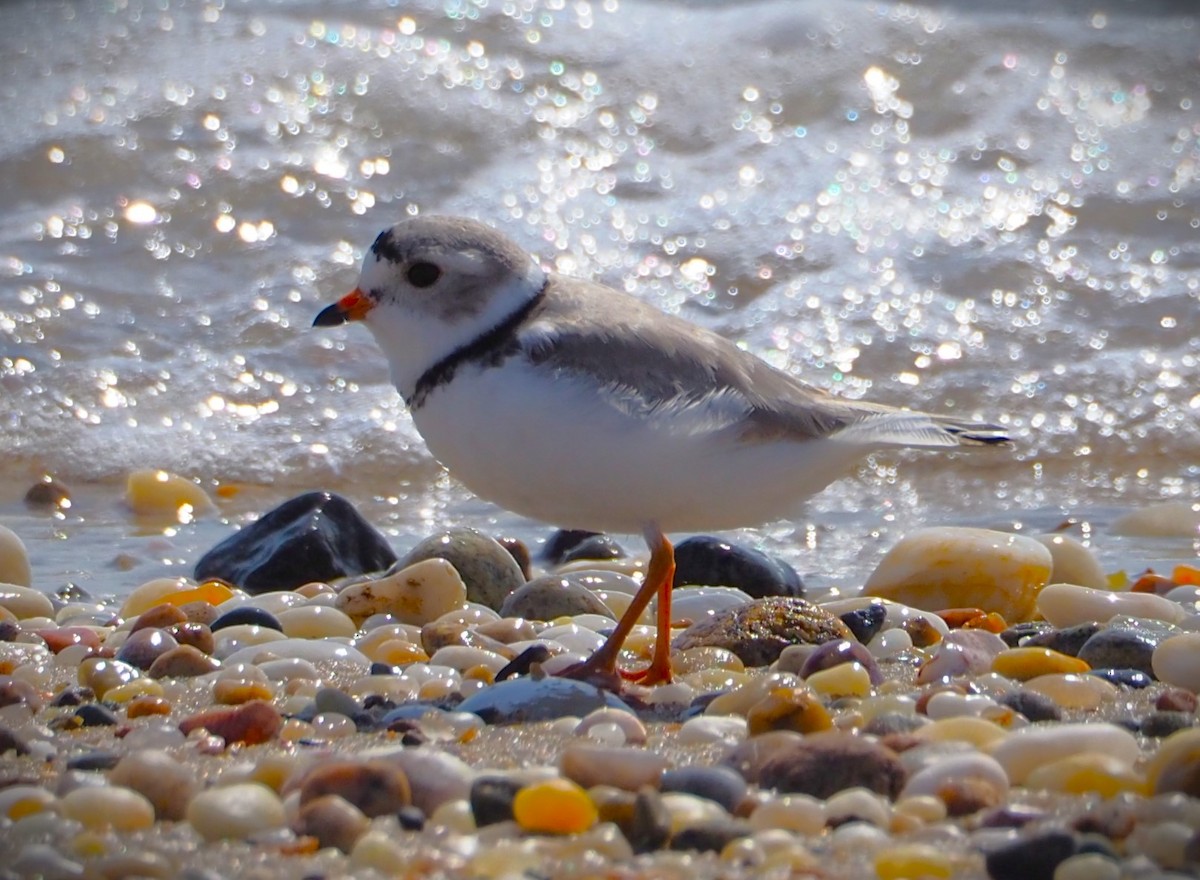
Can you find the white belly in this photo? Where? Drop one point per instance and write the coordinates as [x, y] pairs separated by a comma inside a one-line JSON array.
[[552, 450]]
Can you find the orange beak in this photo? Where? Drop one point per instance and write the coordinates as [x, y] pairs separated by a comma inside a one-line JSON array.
[[351, 307]]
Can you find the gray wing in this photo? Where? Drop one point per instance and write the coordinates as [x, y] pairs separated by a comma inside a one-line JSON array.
[[650, 362]]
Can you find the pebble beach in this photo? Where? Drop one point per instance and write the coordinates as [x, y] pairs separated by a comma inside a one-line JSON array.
[[990, 705]]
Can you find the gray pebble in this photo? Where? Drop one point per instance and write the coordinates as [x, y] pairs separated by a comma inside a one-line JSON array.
[[551, 596], [488, 570]]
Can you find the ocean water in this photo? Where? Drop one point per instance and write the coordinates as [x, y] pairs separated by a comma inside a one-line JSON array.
[[984, 209]]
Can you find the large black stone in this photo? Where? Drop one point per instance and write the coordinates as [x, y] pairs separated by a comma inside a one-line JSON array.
[[318, 536], [708, 561]]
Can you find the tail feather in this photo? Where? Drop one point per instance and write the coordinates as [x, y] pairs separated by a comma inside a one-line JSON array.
[[905, 428]]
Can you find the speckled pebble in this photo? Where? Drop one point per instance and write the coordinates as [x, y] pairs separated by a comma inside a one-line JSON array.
[[757, 633], [1033, 705], [552, 596], [488, 570], [1120, 648], [823, 764]]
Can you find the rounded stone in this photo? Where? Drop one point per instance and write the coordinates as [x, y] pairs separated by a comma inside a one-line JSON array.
[[235, 811], [1167, 519], [492, 799], [1066, 605], [1176, 661], [1030, 858], [840, 651], [48, 492], [100, 807], [705, 560], [721, 784], [865, 622], [552, 596], [1028, 748], [822, 764], [159, 777], [183, 661], [247, 615], [376, 788], [488, 570], [250, 723], [951, 567], [1072, 562], [757, 633], [316, 622], [333, 821], [1033, 705], [145, 646], [1120, 648], [414, 594], [24, 602], [14, 565]]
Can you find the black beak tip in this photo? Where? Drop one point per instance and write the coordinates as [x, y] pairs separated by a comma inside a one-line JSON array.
[[330, 316]]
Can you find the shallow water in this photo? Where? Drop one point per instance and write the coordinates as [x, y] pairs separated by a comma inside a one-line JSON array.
[[991, 212]]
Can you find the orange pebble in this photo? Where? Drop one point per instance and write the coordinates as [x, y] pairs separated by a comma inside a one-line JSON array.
[[556, 806], [991, 622], [956, 618], [1186, 575], [147, 705]]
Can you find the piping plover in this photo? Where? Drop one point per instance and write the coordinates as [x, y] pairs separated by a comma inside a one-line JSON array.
[[573, 403]]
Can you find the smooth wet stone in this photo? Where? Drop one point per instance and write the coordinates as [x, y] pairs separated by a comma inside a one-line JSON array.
[[1161, 724], [949, 774], [837, 652], [1120, 648], [588, 547], [866, 622], [961, 652], [1068, 605], [554, 806], [235, 811], [618, 766], [1022, 664], [1026, 749], [316, 622], [1034, 857], [552, 596], [102, 675], [24, 602], [757, 633], [1130, 678], [629, 727], [145, 646], [312, 650], [183, 661], [951, 567], [195, 635], [1072, 562], [1176, 661], [101, 807], [377, 788], [524, 700], [159, 777], [492, 799], [1168, 519], [96, 715], [318, 536], [416, 594], [14, 564], [1067, 640], [48, 492], [156, 493], [823, 764], [1175, 767], [705, 560], [333, 821], [1033, 705], [159, 617], [721, 784], [486, 568], [434, 777], [95, 760], [14, 690], [246, 615], [250, 723]]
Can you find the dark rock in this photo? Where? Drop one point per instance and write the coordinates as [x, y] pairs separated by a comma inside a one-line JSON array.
[[597, 547], [1116, 648], [707, 561], [866, 622], [1013, 816], [247, 615], [840, 651], [710, 836], [1018, 633], [492, 799], [1034, 706], [318, 536], [721, 784], [11, 741], [380, 668], [651, 826], [9, 630], [488, 570], [411, 818], [822, 764], [94, 761], [1130, 678], [1160, 724], [1033, 858], [48, 493], [523, 662], [520, 553], [73, 696], [1065, 641], [546, 598], [758, 632], [563, 542], [96, 715]]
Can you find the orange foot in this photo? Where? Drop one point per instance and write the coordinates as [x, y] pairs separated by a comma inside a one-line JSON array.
[[601, 668]]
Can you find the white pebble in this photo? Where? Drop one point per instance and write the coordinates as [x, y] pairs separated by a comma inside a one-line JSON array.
[[107, 806], [799, 813], [1169, 519], [948, 704], [1176, 661], [702, 729], [890, 643], [1072, 562], [1088, 866], [418, 594], [235, 811], [858, 803], [313, 650], [1066, 605], [945, 771], [1028, 748], [699, 603], [25, 602]]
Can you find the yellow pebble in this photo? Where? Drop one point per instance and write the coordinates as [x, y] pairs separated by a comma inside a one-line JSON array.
[[89, 845], [962, 728], [212, 592], [140, 707], [1087, 773], [158, 493], [396, 652], [1071, 691], [843, 680], [912, 860], [139, 687], [1021, 664], [787, 708], [235, 691], [556, 806]]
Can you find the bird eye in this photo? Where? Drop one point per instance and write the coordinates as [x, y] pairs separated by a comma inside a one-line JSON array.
[[423, 274]]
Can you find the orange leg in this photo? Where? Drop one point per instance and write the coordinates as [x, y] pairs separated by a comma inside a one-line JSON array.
[[601, 668]]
